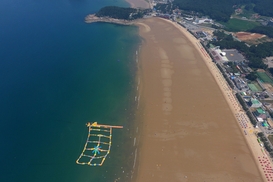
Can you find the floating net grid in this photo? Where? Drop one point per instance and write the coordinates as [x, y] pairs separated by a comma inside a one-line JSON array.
[[98, 144]]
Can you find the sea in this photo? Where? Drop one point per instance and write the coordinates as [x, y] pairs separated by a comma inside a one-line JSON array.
[[56, 74]]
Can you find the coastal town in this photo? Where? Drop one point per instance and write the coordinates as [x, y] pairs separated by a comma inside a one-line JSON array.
[[255, 95], [252, 97]]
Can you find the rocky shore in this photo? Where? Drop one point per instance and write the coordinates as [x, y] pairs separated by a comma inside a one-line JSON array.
[[93, 18]]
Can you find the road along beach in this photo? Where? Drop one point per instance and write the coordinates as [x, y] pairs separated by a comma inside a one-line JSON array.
[[189, 131]]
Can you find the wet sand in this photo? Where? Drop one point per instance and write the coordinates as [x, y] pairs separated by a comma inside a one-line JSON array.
[[139, 3], [189, 132]]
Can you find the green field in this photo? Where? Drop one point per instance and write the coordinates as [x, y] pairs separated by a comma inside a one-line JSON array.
[[264, 77], [237, 25], [254, 87]]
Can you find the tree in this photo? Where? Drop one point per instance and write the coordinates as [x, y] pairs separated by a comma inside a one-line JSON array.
[[254, 54], [120, 13], [219, 34], [263, 30], [249, 7], [270, 70], [263, 7], [251, 76]]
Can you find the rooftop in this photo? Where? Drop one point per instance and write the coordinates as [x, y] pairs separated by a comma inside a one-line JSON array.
[[233, 55], [265, 124], [216, 53], [255, 101], [260, 110]]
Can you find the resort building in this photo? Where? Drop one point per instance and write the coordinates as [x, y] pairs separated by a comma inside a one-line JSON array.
[[260, 114], [218, 55], [202, 20], [240, 84], [254, 103], [265, 124]]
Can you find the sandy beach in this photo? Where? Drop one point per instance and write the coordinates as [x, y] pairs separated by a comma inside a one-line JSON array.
[[192, 128], [139, 3]]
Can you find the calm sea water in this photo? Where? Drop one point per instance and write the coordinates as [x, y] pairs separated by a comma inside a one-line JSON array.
[[56, 74]]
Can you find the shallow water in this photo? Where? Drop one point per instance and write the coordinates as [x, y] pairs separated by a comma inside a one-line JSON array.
[[56, 74]]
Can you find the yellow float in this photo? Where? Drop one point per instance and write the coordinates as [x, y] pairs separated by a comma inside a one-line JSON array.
[[98, 144]]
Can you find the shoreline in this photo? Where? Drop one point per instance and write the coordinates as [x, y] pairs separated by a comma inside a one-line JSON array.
[[237, 110], [241, 118], [139, 3], [92, 18], [138, 116], [225, 91]]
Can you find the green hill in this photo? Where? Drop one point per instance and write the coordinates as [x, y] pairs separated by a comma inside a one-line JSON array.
[[120, 13], [221, 10]]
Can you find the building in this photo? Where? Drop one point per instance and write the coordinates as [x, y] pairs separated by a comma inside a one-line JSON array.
[[254, 103], [265, 124], [240, 84], [260, 114], [233, 55], [218, 54], [200, 34], [202, 20]]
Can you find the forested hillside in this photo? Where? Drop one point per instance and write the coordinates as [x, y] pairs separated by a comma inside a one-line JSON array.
[[221, 10], [263, 30], [263, 7], [120, 13]]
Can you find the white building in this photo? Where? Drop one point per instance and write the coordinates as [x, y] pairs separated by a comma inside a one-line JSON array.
[[202, 20], [218, 54]]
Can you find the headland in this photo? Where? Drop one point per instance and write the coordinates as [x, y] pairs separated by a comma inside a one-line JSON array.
[[92, 18], [117, 15]]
